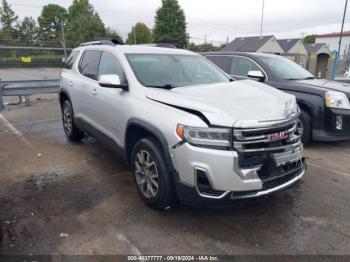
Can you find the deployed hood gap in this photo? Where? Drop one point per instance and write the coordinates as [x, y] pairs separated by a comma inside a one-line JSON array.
[[191, 111]]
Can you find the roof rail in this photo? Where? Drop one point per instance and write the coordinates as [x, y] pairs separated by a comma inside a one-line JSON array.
[[111, 42]]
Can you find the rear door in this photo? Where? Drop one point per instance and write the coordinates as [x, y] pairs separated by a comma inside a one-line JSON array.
[[87, 85]]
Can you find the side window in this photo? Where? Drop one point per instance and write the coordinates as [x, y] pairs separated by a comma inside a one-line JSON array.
[[88, 64], [224, 62], [71, 59], [242, 65], [109, 65]]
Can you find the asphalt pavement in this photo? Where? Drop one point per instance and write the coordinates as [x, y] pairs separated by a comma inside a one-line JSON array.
[[58, 197]]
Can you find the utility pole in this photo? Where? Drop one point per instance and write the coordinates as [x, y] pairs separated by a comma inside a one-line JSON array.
[[262, 17], [63, 41], [227, 40], [134, 29], [342, 27], [205, 39], [188, 41]]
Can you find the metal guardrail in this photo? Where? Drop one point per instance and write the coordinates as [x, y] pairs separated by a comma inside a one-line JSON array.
[[26, 89]]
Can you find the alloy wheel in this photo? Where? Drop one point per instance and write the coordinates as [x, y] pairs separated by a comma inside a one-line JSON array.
[[146, 173]]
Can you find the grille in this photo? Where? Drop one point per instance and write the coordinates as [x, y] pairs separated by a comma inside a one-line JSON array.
[[265, 139]]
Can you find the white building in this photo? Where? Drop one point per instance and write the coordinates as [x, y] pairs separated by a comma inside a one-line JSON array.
[[332, 41]]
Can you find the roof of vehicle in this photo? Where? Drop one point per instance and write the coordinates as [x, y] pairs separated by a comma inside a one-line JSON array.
[[138, 49]]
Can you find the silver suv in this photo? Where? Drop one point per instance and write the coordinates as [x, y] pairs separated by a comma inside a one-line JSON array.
[[188, 131]]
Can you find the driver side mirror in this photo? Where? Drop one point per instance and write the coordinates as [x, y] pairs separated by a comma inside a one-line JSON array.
[[112, 81], [257, 75]]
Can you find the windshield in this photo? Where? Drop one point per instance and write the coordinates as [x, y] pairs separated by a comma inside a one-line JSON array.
[[174, 70], [286, 69]]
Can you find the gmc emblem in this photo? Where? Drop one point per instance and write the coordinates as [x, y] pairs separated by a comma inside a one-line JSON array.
[[277, 136]]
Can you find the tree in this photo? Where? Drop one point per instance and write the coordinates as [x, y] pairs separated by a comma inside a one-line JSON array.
[[142, 34], [28, 30], [112, 34], [208, 47], [84, 24], [50, 21], [8, 19], [309, 39], [170, 24]]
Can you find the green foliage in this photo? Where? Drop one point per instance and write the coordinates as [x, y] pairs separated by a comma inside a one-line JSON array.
[[37, 61], [112, 34], [50, 21], [142, 34], [84, 24], [170, 24], [309, 39], [28, 31], [8, 20], [205, 47]]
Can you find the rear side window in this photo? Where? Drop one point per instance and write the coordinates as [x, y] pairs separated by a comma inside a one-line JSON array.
[[71, 59], [224, 62], [88, 64], [242, 65]]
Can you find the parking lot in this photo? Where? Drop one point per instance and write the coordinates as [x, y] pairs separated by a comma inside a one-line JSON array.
[[58, 197]]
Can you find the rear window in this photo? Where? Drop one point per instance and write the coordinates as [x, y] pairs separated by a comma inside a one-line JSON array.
[[71, 59], [88, 64]]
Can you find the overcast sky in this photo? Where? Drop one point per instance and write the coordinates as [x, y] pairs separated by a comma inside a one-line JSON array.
[[217, 19]]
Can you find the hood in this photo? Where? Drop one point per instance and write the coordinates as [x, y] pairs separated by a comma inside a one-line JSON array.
[[226, 103], [325, 85]]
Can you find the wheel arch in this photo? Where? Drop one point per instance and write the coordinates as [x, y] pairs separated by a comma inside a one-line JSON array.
[[137, 129]]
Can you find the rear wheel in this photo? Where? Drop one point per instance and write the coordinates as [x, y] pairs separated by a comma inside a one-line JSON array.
[[153, 180], [72, 132], [304, 127]]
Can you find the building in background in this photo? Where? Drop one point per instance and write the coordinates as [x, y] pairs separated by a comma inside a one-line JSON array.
[[332, 41], [259, 44], [321, 60], [295, 50]]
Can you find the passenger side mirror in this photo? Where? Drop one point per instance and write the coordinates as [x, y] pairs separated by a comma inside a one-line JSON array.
[[257, 75], [112, 81]]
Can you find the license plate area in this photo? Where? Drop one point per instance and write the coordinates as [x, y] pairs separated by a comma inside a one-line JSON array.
[[290, 156]]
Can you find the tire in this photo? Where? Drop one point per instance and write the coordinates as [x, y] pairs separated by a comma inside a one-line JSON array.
[[305, 125], [72, 132], [162, 196]]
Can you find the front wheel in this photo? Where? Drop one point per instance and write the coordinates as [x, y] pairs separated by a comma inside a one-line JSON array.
[[154, 183], [304, 127]]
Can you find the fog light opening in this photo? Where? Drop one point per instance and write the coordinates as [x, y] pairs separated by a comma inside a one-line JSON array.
[[339, 122]]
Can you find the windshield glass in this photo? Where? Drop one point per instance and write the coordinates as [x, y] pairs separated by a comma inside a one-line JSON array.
[[173, 70], [286, 69]]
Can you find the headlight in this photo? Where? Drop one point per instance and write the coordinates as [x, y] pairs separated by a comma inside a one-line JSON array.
[[337, 100], [204, 136]]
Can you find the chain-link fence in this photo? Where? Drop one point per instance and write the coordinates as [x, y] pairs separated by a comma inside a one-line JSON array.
[[29, 57]]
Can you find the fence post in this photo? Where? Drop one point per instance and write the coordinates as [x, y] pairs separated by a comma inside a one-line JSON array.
[[27, 101], [2, 108]]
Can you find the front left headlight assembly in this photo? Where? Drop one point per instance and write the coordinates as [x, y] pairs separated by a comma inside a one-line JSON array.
[[206, 136], [337, 100]]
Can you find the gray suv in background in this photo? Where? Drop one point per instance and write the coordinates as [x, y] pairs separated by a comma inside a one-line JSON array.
[[188, 131]]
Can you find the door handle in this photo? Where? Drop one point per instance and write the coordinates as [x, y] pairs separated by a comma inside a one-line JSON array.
[[70, 83], [94, 91]]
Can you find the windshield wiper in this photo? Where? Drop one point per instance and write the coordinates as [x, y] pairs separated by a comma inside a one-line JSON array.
[[306, 78], [167, 86], [309, 77]]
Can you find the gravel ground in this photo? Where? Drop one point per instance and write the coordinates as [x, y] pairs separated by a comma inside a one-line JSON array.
[[58, 197]]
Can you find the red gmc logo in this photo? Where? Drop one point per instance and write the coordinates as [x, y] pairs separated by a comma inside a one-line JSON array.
[[277, 136]]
